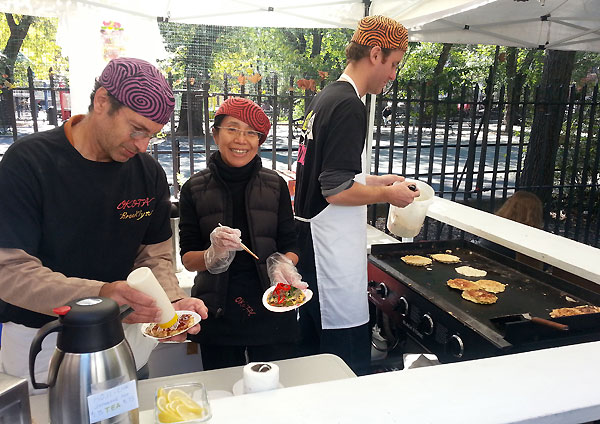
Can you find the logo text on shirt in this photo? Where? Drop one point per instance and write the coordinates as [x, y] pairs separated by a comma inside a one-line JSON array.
[[137, 215], [142, 208], [135, 203]]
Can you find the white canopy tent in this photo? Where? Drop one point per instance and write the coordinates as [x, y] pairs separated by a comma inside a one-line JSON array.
[[559, 24], [549, 24], [552, 24], [81, 20], [255, 13]]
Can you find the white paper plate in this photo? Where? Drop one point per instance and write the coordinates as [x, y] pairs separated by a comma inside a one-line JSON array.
[[238, 387], [307, 292], [194, 315]]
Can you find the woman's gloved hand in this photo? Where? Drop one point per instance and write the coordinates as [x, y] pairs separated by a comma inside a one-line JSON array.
[[224, 242], [281, 269]]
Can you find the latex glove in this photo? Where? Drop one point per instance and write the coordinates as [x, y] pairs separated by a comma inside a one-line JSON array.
[[224, 242], [281, 269]]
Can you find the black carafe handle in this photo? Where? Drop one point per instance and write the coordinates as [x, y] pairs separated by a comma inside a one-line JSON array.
[[124, 310], [36, 347]]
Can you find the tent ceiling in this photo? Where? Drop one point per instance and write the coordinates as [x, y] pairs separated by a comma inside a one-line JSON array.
[[550, 24], [255, 13], [556, 24]]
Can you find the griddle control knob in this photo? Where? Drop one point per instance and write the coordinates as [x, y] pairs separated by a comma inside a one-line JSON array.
[[402, 306], [426, 325], [456, 346], [380, 288]]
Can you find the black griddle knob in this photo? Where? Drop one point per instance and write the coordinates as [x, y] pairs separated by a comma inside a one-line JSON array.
[[382, 290], [426, 325], [456, 346], [402, 306]]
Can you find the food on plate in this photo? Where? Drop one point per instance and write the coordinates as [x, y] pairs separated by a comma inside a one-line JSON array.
[[416, 260], [184, 322], [175, 405], [491, 286], [462, 284], [479, 296], [470, 271], [577, 310], [285, 295], [445, 258]]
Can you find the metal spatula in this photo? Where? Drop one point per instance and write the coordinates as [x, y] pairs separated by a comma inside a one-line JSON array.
[[527, 317]]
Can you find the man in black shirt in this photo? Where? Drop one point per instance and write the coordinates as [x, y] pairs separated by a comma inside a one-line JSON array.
[[332, 194], [83, 205]]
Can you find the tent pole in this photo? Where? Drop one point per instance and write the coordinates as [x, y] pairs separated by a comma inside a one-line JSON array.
[[370, 104], [367, 6]]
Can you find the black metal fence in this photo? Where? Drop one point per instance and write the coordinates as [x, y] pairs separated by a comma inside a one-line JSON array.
[[470, 148], [25, 107]]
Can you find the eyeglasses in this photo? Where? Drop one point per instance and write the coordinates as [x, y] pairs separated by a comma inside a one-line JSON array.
[[157, 138], [248, 134]]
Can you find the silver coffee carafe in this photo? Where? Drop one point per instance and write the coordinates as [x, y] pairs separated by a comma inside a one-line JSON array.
[[92, 375]]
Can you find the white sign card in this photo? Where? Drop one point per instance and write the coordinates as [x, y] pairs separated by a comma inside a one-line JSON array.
[[112, 402]]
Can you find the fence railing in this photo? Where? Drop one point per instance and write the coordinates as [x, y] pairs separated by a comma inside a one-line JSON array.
[[469, 148]]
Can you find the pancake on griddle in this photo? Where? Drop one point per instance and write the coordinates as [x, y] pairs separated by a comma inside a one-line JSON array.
[[470, 271], [577, 310], [445, 258], [491, 286], [462, 284], [416, 260], [479, 296]]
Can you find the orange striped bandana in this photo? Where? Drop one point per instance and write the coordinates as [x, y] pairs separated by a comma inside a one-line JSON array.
[[381, 31]]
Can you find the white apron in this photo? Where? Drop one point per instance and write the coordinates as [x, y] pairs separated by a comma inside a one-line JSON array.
[[339, 235]]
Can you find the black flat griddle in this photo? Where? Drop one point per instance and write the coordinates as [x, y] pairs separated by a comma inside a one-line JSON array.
[[528, 290]]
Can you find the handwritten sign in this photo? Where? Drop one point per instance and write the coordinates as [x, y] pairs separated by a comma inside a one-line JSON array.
[[112, 402]]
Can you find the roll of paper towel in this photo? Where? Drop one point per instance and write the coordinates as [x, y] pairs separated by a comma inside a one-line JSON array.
[[260, 376]]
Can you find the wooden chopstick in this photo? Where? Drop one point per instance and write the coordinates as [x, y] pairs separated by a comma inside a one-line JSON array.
[[248, 250], [245, 247]]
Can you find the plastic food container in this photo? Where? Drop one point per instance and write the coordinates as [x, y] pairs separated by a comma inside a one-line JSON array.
[[182, 403], [407, 221]]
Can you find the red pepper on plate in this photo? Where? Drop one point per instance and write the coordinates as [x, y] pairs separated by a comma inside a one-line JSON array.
[[281, 290]]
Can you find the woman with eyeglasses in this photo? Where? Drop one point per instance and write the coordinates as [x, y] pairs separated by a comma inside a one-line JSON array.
[[233, 201]]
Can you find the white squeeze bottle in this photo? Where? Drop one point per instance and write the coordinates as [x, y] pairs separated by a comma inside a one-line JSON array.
[[143, 279]]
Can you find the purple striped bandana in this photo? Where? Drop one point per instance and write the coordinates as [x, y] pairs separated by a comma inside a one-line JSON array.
[[140, 86]]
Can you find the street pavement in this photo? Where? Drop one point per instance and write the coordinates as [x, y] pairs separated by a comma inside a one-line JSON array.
[[419, 163]]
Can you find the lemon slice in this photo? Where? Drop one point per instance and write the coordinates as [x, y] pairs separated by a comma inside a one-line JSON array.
[[177, 394], [161, 404], [176, 405], [192, 406], [186, 414], [165, 417]]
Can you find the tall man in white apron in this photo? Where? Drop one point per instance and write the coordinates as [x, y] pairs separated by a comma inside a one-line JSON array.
[[332, 194]]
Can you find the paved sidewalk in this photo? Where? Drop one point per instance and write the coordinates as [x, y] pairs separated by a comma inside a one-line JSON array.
[[424, 164]]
